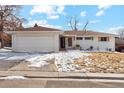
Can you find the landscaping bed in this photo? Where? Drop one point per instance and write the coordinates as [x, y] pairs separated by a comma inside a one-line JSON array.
[[104, 62]]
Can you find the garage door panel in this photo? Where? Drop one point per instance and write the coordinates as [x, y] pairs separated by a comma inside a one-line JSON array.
[[36, 43]]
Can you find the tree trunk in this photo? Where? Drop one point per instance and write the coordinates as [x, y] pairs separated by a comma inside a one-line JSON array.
[[1, 35], [2, 43], [2, 40]]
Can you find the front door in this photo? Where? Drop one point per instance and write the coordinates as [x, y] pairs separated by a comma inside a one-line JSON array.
[[62, 42], [69, 41]]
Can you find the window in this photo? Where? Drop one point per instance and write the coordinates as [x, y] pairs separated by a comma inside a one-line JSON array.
[[88, 38], [103, 38], [79, 38]]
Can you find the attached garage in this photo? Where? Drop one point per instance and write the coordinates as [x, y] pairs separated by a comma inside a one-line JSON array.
[[37, 39]]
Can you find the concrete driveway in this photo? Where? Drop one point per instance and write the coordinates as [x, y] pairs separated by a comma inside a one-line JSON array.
[[18, 65], [7, 64]]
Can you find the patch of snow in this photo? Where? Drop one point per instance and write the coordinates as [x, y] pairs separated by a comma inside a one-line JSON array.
[[2, 57], [64, 61], [13, 77], [5, 50], [33, 58], [17, 56], [38, 64], [39, 61]]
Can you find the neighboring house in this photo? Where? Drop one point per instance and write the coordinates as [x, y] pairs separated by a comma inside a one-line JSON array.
[[119, 44], [43, 39]]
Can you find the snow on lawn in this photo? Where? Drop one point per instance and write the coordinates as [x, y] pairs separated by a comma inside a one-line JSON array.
[[13, 77], [40, 60], [5, 50], [63, 60], [38, 64], [17, 56]]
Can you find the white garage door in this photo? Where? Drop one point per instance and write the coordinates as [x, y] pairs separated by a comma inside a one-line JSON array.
[[35, 44]]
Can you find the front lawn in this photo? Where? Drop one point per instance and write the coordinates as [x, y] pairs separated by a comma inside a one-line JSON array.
[[67, 61], [102, 63]]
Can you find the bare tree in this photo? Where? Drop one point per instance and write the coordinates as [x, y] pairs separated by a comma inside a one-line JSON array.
[[85, 25], [74, 22], [121, 33], [9, 19]]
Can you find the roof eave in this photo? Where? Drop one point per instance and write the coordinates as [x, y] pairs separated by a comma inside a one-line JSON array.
[[14, 32]]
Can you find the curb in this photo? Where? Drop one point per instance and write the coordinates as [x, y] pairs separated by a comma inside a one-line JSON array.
[[71, 75]]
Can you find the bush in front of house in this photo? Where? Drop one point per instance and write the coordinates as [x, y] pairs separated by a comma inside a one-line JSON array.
[[77, 46]]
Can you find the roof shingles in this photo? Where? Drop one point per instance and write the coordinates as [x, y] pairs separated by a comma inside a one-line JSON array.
[[88, 32], [38, 28]]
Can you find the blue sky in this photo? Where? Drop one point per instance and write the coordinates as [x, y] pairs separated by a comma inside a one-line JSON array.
[[101, 18]]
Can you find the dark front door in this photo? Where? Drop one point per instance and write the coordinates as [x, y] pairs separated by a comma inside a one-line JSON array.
[[69, 41], [62, 42]]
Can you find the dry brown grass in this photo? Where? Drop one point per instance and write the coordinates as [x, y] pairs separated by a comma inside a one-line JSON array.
[[102, 63]]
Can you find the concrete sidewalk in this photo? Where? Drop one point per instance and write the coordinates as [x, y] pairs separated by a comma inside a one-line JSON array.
[[73, 75], [38, 79]]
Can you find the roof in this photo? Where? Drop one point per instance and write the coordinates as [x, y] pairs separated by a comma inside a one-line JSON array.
[[38, 28], [88, 32]]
